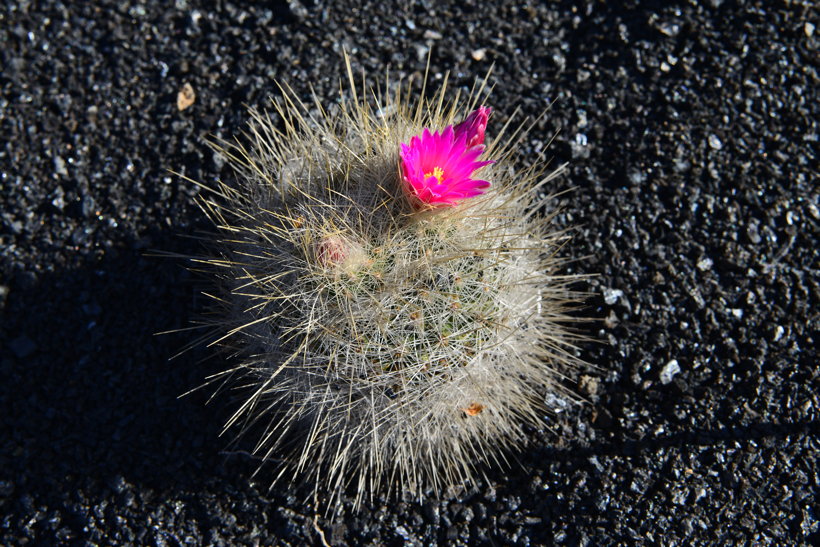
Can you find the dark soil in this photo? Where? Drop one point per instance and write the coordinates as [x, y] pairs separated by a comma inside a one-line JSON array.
[[692, 132]]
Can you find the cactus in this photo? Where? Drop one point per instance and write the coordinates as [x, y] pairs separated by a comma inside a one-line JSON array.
[[384, 340]]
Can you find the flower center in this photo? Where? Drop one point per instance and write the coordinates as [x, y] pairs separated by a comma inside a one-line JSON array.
[[438, 172]]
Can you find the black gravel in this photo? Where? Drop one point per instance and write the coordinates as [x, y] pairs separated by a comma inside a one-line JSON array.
[[691, 128]]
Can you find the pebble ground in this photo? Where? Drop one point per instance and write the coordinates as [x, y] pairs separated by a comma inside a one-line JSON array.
[[691, 129]]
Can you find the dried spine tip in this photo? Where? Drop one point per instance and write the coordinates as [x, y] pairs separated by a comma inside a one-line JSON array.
[[383, 344]]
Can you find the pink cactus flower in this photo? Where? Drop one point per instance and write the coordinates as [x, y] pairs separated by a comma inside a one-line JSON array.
[[474, 126], [437, 166]]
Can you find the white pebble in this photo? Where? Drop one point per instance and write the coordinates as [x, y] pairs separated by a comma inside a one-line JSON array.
[[669, 371], [612, 295]]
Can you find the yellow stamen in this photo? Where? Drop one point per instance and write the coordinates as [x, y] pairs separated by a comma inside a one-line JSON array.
[[438, 172]]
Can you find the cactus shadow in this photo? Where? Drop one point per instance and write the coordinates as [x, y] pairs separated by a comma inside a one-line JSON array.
[[87, 391]]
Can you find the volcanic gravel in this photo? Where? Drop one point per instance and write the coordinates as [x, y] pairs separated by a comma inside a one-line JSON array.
[[691, 128]]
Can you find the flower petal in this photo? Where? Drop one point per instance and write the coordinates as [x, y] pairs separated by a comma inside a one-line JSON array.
[[437, 167]]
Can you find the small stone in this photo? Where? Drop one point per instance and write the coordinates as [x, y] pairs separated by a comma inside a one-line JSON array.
[[636, 176], [596, 463], [14, 225], [669, 371], [753, 234], [479, 54], [432, 35], [737, 312], [611, 321], [808, 28], [58, 201], [87, 206], [778, 333], [589, 385], [705, 264], [555, 403], [421, 52], [714, 142], [579, 146], [583, 119], [185, 97], [612, 295], [298, 10], [670, 29], [59, 166]]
